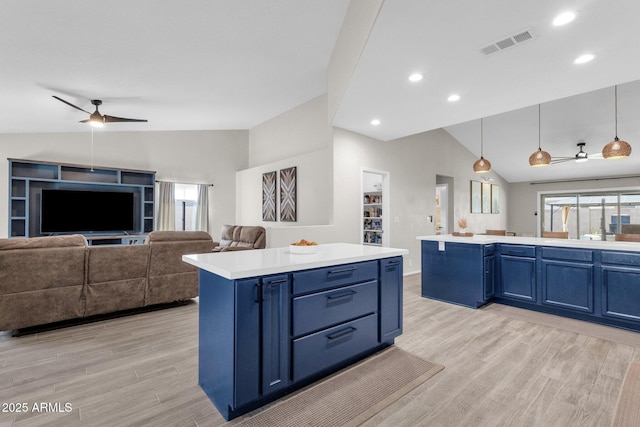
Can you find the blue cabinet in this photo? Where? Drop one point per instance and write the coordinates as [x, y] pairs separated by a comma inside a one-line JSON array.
[[263, 337], [461, 273], [390, 298], [518, 272], [567, 278], [275, 333], [620, 275]]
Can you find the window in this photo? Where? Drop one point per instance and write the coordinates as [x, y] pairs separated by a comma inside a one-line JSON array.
[[593, 215], [186, 206]]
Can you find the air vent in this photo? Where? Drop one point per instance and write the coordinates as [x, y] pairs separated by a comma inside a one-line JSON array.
[[513, 40]]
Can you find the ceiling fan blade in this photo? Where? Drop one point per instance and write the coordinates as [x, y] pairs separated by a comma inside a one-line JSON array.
[[561, 160], [112, 119], [70, 104]]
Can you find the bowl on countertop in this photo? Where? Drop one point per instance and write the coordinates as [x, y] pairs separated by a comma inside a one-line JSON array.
[[303, 250]]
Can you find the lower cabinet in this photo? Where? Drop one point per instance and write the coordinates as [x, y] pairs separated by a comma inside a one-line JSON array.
[[518, 272], [460, 273], [276, 358], [262, 337], [567, 278], [390, 298], [620, 275]]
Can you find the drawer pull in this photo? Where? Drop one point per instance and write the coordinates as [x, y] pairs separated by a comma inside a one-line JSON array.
[[341, 333], [342, 271], [341, 295], [393, 264], [275, 282]]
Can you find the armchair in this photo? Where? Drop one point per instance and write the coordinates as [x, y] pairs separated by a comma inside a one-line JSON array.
[[239, 238]]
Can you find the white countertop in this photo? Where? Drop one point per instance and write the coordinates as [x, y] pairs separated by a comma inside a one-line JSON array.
[[251, 263], [536, 241]]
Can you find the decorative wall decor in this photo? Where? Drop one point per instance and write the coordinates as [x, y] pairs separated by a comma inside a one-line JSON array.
[[476, 197], [485, 197], [288, 196], [269, 196], [495, 199]]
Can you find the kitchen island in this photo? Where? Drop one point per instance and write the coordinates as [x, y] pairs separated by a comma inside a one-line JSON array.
[[597, 281], [271, 321]]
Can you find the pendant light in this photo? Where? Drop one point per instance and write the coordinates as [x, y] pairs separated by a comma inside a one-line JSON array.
[[616, 149], [539, 158], [481, 165]]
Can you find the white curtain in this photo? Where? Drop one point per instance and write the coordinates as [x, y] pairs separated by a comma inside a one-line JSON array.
[[166, 206], [202, 210]]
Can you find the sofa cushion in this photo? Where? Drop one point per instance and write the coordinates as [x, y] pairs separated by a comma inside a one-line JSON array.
[[41, 263], [250, 237]]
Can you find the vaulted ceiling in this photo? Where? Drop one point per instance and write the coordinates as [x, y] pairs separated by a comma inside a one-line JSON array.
[[232, 64]]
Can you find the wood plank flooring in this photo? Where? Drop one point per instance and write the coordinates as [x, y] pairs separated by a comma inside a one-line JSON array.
[[502, 368]]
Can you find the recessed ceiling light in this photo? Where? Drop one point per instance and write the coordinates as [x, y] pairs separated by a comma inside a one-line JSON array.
[[375, 122], [584, 58], [564, 18], [415, 77], [453, 98]]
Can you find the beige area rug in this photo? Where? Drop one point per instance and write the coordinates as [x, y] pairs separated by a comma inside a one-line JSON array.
[[351, 396], [628, 408]]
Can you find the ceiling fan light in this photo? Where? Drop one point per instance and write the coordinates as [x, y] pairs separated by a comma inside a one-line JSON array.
[[539, 158], [482, 165], [96, 120], [616, 149]]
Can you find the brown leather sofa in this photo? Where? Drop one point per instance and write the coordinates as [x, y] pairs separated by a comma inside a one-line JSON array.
[[50, 279], [240, 238]]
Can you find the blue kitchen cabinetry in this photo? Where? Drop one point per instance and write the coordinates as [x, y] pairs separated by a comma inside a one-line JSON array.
[[567, 278], [460, 273], [601, 286], [620, 275], [518, 272], [263, 337]]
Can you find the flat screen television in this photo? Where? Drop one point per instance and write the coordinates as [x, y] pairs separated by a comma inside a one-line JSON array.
[[84, 211]]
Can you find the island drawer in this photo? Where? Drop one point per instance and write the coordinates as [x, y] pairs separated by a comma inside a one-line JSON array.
[[621, 258], [319, 279], [316, 352], [518, 250], [570, 254], [320, 310]]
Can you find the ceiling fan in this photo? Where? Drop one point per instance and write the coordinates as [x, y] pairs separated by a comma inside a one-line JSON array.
[[96, 119], [581, 155]]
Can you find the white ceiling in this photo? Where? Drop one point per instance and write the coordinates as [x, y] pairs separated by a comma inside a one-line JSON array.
[[233, 64]]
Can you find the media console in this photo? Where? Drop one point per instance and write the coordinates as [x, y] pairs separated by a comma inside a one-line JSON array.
[[38, 188]]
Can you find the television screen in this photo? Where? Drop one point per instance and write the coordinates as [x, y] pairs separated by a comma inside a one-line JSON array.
[[81, 211]]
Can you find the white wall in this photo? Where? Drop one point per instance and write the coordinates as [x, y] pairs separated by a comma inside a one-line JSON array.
[[300, 137], [211, 157], [299, 131], [524, 199], [413, 163]]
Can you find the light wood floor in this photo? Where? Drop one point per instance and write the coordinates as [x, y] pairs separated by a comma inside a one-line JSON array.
[[508, 368]]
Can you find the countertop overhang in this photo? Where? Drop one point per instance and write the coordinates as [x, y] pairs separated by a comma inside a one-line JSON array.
[[536, 241], [251, 263]]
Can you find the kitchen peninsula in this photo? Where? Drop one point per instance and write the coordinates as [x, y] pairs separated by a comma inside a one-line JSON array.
[[272, 321], [597, 281]]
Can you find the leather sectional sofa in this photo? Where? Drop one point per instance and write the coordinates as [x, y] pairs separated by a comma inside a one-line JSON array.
[[51, 279]]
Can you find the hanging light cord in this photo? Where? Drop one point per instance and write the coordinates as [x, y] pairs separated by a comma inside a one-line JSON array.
[[616, 109], [539, 149], [92, 149], [481, 140]]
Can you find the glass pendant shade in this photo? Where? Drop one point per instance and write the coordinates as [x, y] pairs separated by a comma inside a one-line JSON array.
[[616, 149], [482, 165], [539, 158]]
